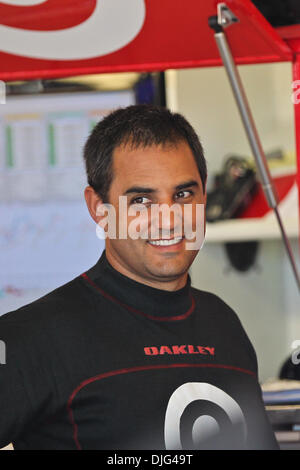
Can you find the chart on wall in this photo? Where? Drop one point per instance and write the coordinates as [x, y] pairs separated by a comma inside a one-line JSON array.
[[47, 236]]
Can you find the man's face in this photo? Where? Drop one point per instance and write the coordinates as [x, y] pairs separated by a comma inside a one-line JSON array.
[[146, 176]]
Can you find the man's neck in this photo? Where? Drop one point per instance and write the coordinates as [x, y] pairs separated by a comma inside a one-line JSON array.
[[168, 285]]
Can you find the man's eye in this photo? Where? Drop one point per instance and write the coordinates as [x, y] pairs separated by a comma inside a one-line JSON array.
[[180, 194], [140, 200]]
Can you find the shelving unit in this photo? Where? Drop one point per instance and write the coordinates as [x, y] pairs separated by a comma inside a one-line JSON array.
[[249, 229]]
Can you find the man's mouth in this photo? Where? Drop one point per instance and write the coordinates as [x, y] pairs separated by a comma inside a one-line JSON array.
[[165, 242]]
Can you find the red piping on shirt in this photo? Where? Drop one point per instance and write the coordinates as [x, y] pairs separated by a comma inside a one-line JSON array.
[[136, 369], [139, 312]]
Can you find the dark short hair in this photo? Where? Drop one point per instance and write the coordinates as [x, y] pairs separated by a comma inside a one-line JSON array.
[[140, 126]]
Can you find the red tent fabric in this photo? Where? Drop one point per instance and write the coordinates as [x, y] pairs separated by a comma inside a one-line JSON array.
[[56, 38]]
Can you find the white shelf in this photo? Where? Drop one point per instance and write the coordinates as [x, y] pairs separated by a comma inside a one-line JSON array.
[[261, 228], [250, 229]]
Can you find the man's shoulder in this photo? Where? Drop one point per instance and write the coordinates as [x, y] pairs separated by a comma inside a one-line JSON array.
[[224, 317], [59, 302], [207, 299], [218, 310]]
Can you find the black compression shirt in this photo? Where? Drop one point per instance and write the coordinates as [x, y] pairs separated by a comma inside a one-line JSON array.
[[105, 362]]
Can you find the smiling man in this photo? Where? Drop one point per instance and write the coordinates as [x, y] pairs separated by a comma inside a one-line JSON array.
[[160, 262], [128, 355]]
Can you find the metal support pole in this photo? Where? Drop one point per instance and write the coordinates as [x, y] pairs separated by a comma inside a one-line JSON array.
[[226, 18]]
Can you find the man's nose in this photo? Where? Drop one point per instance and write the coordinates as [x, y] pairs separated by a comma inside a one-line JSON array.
[[166, 219]]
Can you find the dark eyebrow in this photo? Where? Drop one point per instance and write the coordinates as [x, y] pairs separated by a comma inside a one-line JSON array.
[[188, 184], [139, 189], [147, 190]]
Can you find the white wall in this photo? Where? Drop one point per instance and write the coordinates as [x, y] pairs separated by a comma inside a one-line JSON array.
[[266, 298], [204, 96]]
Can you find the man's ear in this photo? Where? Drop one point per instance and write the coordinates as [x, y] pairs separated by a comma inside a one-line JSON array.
[[94, 204]]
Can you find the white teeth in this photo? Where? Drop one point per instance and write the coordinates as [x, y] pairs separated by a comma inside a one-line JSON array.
[[165, 242]]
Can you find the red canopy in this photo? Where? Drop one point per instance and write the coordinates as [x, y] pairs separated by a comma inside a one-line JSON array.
[[56, 38]]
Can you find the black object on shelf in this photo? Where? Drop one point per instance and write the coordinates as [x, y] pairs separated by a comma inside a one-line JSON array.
[[234, 189], [242, 255]]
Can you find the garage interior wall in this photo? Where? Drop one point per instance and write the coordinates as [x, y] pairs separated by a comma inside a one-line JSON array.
[[266, 297]]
